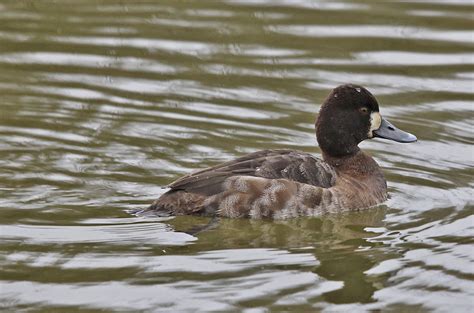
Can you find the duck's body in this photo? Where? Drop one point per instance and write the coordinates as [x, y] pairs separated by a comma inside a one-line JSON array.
[[286, 183]]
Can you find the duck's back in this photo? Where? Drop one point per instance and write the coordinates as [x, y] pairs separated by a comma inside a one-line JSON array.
[[259, 184]]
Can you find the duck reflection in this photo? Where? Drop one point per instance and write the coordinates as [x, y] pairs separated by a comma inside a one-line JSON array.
[[338, 242]]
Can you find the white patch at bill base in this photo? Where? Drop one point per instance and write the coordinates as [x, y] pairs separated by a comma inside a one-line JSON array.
[[375, 122]]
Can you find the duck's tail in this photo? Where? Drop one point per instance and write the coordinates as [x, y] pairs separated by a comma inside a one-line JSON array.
[[176, 202]]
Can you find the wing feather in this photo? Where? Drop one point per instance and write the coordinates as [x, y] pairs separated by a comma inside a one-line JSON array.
[[273, 164]]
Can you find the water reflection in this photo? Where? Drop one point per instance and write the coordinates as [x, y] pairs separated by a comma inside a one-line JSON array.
[[300, 275]]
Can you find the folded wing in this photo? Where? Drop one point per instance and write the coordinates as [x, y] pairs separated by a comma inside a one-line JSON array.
[[190, 194], [288, 164]]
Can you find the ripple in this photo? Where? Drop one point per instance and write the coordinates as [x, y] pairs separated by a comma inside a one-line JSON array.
[[102, 104], [397, 82], [206, 262], [182, 296], [413, 58], [175, 46], [152, 233], [88, 60], [307, 4], [376, 31], [230, 290]]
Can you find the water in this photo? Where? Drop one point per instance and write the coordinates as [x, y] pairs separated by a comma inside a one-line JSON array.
[[102, 103]]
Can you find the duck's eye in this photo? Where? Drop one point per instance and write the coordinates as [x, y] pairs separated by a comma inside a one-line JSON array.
[[364, 110]]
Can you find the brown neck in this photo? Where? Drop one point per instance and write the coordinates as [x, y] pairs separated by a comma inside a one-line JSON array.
[[358, 163]]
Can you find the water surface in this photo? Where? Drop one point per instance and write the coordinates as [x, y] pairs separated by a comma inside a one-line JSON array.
[[102, 103]]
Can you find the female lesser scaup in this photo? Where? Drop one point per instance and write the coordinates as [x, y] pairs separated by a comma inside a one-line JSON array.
[[286, 183]]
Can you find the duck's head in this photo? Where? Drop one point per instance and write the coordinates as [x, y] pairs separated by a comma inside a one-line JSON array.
[[349, 115]]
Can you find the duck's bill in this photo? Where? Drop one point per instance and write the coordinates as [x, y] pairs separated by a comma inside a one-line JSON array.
[[388, 131]]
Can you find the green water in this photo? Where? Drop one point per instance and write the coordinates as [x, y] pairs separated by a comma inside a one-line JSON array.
[[104, 102]]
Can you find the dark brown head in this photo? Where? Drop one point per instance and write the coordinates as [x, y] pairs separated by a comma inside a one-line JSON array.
[[349, 115]]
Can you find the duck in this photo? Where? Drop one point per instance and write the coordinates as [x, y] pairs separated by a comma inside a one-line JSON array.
[[284, 183]]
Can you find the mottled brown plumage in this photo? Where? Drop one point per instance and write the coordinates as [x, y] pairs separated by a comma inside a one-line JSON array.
[[286, 183]]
